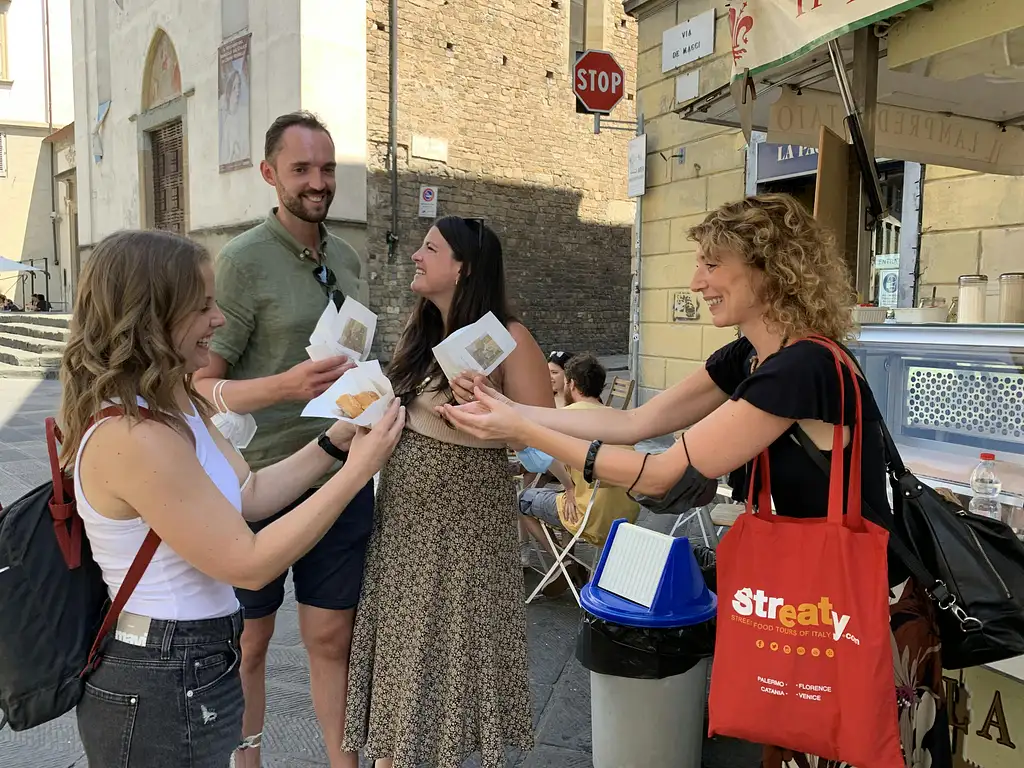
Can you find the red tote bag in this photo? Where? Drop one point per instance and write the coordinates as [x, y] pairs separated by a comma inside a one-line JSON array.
[[803, 658]]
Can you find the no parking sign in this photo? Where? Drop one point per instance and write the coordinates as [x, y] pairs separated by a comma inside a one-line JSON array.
[[428, 202]]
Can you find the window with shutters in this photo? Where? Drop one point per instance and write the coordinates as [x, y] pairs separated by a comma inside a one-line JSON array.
[[168, 177], [3, 155]]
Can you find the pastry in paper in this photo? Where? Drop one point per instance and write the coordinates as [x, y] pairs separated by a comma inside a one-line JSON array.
[[353, 406], [482, 346], [362, 396]]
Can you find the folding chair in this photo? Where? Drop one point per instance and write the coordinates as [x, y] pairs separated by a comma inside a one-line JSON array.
[[707, 528], [621, 388], [566, 552]]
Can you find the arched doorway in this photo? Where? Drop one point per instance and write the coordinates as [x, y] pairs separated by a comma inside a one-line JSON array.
[[165, 139]]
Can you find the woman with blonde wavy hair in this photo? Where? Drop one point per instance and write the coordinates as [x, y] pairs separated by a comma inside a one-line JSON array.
[[167, 691], [767, 267]]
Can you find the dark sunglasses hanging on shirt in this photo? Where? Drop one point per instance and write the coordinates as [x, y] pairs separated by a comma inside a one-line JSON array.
[[329, 282]]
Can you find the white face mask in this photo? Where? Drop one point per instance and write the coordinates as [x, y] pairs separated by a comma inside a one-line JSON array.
[[238, 428]]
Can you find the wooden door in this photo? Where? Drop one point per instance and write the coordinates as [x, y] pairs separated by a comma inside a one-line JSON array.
[[169, 178]]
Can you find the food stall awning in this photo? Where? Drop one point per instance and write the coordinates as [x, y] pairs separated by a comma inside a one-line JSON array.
[[952, 93]]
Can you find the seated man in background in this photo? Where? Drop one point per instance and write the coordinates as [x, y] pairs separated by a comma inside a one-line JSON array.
[[585, 380]]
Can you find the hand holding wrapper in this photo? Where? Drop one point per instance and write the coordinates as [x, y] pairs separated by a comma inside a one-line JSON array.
[[358, 385]]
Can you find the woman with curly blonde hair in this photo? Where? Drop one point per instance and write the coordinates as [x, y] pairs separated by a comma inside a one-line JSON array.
[[765, 266], [167, 691]]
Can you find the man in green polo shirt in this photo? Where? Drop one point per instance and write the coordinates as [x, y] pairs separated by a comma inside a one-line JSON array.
[[273, 283]]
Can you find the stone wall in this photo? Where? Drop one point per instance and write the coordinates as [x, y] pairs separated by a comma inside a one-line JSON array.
[[488, 83], [692, 168], [971, 223]]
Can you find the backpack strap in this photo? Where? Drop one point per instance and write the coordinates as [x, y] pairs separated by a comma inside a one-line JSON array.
[[74, 538], [67, 525], [131, 581]]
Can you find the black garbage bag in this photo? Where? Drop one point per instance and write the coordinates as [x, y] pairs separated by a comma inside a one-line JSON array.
[[642, 653], [706, 562]]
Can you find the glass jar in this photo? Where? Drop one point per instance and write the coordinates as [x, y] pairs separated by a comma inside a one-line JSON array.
[[1011, 297], [971, 304]]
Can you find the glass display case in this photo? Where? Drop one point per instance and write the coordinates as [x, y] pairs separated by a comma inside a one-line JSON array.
[[949, 392]]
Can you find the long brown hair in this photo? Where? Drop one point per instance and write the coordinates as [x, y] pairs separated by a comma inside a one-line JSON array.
[[481, 289], [136, 287]]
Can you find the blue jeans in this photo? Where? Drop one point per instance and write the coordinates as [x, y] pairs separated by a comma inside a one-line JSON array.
[[175, 702]]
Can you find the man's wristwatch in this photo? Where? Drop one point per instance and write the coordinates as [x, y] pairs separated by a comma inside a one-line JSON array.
[[330, 448]]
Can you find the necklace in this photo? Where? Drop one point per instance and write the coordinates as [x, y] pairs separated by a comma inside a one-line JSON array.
[[755, 361]]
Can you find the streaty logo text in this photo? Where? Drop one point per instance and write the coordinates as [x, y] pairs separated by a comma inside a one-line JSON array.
[[747, 602]]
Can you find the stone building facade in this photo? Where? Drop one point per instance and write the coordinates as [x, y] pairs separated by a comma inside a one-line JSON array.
[[486, 114]]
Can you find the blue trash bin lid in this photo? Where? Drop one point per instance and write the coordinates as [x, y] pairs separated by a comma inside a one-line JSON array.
[[682, 598]]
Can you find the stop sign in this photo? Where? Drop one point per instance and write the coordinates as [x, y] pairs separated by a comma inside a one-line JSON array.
[[598, 81]]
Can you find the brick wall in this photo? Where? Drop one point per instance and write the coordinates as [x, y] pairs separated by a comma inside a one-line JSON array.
[[680, 192], [971, 223], [492, 78]]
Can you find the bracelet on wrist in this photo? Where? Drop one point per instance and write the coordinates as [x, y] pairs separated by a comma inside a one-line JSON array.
[[328, 447], [588, 466]]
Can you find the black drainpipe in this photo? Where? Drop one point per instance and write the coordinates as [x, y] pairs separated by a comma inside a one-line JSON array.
[[392, 235]]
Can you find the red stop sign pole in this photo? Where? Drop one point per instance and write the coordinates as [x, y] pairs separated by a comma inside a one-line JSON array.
[[598, 82]]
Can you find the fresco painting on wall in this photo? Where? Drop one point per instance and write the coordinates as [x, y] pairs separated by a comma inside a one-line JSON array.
[[233, 105], [164, 81]]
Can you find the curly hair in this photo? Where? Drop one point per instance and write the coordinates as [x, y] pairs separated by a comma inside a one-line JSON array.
[[134, 289], [806, 284]]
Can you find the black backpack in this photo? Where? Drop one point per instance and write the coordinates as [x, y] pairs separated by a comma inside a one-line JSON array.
[[52, 599]]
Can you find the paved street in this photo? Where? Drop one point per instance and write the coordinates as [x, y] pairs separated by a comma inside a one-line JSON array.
[[560, 686]]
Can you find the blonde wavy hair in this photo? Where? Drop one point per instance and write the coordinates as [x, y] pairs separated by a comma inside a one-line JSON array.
[[136, 287], [805, 282]]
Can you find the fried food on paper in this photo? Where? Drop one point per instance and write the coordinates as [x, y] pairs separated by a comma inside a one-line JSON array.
[[352, 406]]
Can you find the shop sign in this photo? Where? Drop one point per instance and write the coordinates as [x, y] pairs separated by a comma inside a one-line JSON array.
[[769, 33], [784, 161], [986, 711], [888, 287], [637, 172], [693, 39], [902, 133]]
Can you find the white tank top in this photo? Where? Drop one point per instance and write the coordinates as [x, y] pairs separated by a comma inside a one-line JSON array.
[[170, 589]]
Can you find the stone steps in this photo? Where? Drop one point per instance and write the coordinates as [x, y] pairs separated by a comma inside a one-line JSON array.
[[31, 344]]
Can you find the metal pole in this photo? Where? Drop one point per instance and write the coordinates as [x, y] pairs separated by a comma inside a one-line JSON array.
[[635, 295], [392, 236], [865, 95]]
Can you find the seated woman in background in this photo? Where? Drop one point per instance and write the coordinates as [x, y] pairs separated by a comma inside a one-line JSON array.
[[764, 265], [556, 367]]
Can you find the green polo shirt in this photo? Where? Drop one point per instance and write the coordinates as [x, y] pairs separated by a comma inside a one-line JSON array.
[[272, 302]]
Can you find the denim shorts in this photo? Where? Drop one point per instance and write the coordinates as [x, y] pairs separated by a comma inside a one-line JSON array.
[[541, 503], [330, 575], [175, 702]]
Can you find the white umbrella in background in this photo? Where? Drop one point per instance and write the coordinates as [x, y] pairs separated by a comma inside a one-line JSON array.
[[7, 266]]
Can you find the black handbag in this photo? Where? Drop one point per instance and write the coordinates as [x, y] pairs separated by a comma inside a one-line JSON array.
[[971, 566]]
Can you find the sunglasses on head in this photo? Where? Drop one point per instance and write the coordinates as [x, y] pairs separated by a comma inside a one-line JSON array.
[[479, 225], [328, 282]]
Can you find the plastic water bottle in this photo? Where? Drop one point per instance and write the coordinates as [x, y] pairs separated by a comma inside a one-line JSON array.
[[986, 487]]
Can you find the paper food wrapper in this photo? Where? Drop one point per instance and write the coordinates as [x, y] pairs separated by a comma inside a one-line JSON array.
[[347, 331], [365, 377], [482, 346]]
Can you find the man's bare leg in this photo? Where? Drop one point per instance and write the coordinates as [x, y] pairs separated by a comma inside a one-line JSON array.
[[256, 634], [327, 636]]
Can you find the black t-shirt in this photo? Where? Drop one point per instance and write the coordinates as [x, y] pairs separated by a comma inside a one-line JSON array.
[[800, 382]]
